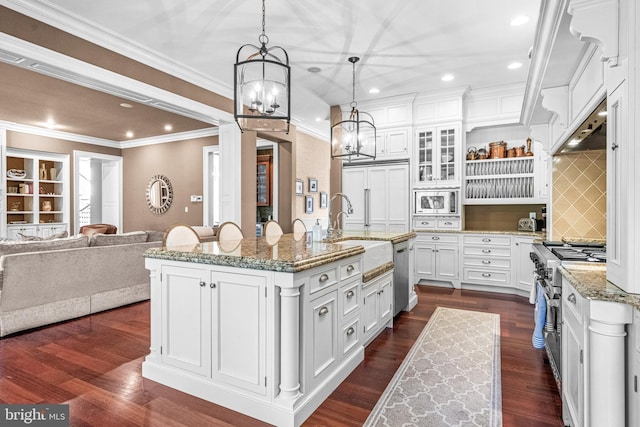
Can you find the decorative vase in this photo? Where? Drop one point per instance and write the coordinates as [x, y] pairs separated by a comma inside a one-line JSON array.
[[46, 205], [43, 172], [53, 174], [528, 153]]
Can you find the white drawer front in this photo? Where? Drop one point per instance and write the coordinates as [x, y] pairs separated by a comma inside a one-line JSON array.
[[438, 238], [323, 279], [485, 251], [350, 337], [571, 300], [487, 262], [488, 239], [426, 223], [350, 269], [488, 277], [448, 223], [350, 295]]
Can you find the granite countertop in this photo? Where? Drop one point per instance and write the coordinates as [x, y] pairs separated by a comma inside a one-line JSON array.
[[394, 238], [288, 253], [536, 234], [590, 280]]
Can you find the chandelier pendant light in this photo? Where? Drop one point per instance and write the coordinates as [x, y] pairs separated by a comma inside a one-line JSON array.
[[262, 86], [353, 134]]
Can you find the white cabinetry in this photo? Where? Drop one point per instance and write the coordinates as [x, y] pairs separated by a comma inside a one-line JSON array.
[[437, 161], [573, 357], [377, 305], [633, 377], [379, 195], [522, 265], [214, 325], [487, 260], [391, 144], [37, 193], [437, 257]]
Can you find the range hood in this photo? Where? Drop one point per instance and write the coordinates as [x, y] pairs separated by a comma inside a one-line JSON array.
[[590, 135]]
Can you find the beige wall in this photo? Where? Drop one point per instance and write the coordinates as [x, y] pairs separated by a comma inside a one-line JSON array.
[[60, 146], [313, 160], [579, 207], [179, 161], [498, 217]]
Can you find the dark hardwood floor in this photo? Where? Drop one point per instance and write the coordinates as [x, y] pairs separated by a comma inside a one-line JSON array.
[[94, 364]]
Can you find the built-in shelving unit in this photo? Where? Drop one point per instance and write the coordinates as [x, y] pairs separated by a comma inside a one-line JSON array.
[[37, 193], [507, 178]]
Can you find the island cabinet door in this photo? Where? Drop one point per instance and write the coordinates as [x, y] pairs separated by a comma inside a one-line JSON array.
[[239, 325], [324, 336], [186, 319], [370, 309]]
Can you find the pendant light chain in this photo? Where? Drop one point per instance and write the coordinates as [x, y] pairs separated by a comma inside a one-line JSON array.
[[264, 39]]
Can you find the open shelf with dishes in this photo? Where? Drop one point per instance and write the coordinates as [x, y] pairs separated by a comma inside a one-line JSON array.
[[37, 193], [505, 179]]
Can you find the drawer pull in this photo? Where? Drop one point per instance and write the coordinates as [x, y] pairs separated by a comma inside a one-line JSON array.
[[486, 251], [425, 223], [323, 311], [486, 261], [435, 238], [202, 284], [350, 331], [486, 239], [448, 223], [486, 274], [572, 298], [324, 278], [350, 268], [350, 294]]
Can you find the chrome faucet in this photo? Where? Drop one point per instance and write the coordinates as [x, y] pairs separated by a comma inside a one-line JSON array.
[[337, 230], [330, 229]]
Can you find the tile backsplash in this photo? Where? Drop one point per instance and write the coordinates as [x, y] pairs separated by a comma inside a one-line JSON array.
[[579, 199]]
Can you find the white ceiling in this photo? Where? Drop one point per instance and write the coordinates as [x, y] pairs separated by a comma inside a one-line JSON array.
[[405, 45]]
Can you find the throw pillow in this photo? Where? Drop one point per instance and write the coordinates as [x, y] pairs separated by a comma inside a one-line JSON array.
[[28, 238]]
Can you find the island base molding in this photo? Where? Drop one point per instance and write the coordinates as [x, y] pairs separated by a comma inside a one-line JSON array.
[[280, 412]]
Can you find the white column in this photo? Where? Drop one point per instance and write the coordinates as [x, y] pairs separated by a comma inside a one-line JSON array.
[[156, 310], [229, 140], [606, 380], [289, 343]]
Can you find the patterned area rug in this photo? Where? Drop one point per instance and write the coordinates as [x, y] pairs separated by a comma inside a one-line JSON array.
[[451, 376]]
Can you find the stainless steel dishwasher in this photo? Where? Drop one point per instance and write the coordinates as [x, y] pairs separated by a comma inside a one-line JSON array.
[[400, 276]]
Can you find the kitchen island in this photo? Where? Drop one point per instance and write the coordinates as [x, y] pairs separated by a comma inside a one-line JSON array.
[[265, 326]]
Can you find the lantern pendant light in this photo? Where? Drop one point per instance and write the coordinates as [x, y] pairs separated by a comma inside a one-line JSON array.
[[262, 86], [353, 134]]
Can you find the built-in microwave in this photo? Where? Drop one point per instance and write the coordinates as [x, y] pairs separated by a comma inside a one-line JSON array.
[[436, 202]]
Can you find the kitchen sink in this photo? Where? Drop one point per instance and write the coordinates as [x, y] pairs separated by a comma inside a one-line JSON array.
[[376, 252]]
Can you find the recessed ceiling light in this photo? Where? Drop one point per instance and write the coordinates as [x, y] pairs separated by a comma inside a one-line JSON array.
[[514, 65], [447, 77], [602, 113], [314, 69], [374, 90], [519, 20], [168, 128], [129, 134]]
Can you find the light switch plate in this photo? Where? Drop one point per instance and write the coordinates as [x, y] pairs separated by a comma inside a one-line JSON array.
[[532, 215], [196, 198]]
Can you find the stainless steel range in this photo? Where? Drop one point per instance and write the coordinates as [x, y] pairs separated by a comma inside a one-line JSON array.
[[547, 257]]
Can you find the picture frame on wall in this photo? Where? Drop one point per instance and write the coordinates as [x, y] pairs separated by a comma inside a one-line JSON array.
[[313, 185], [299, 187], [308, 204], [323, 200]]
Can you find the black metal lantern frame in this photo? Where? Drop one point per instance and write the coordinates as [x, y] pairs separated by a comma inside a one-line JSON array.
[[353, 135], [262, 86]]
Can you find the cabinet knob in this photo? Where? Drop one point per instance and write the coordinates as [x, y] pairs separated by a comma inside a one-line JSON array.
[[614, 146], [350, 331], [486, 274], [350, 294], [350, 268], [323, 311], [202, 284], [212, 285], [486, 261], [572, 298], [324, 278]]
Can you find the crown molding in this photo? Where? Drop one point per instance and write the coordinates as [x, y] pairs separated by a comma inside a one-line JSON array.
[[51, 14], [173, 137], [57, 134]]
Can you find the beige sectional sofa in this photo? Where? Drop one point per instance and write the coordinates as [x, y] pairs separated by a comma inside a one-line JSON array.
[[43, 282]]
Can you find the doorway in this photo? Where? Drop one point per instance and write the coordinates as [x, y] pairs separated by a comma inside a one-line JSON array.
[[98, 189]]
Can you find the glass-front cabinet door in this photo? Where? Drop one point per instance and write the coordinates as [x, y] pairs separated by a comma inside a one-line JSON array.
[[437, 156]]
